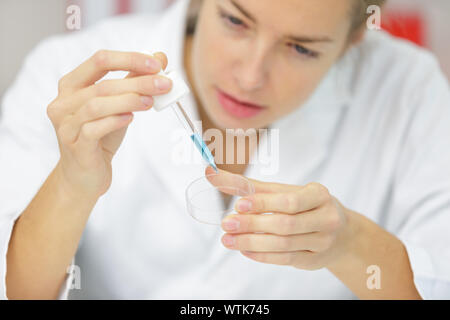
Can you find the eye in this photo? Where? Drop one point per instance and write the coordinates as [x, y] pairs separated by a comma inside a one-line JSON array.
[[235, 21], [304, 51], [231, 20]]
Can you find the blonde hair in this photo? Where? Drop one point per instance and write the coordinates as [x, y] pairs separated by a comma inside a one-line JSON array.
[[359, 15], [192, 15]]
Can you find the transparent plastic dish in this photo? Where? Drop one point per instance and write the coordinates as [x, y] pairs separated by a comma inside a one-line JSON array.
[[205, 196]]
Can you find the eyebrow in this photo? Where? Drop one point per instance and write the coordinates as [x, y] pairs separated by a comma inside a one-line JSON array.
[[303, 39]]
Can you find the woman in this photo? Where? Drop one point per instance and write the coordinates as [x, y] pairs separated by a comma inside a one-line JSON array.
[[360, 199]]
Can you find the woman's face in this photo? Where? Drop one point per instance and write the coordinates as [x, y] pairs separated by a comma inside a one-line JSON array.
[[269, 54]]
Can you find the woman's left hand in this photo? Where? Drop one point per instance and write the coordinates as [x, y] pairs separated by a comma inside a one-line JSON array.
[[308, 228]]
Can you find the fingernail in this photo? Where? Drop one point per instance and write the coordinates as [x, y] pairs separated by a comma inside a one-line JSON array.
[[147, 101], [231, 225], [163, 83], [244, 205], [228, 240], [153, 64]]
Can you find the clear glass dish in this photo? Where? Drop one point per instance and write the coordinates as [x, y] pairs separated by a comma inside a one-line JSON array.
[[212, 197]]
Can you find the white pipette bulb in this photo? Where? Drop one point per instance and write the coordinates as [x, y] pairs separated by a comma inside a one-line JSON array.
[[178, 91]]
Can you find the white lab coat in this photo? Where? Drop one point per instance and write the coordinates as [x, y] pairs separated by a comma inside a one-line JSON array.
[[375, 133]]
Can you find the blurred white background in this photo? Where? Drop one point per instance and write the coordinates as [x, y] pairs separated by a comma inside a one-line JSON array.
[[23, 23]]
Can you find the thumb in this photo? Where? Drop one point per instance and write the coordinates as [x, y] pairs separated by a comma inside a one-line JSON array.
[[225, 178]]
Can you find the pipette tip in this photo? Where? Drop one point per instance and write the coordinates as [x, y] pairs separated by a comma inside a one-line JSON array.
[[214, 167]]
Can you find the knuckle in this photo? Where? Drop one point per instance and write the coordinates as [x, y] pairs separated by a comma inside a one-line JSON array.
[[51, 110], [145, 85], [316, 186], [292, 202], [247, 242], [102, 88], [88, 132], [284, 243], [92, 109], [133, 60], [62, 83], [248, 223], [134, 99], [260, 203], [288, 224], [256, 201], [101, 58], [321, 191], [54, 111]]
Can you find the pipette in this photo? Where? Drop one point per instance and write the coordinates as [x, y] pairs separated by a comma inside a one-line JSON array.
[[195, 136], [180, 89]]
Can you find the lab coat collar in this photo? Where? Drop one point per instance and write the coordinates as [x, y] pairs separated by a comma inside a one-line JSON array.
[[304, 135]]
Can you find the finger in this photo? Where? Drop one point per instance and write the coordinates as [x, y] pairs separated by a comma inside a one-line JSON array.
[[93, 131], [229, 183], [101, 107], [259, 186], [300, 199], [158, 55], [150, 85], [104, 61], [272, 243], [280, 224], [279, 258]]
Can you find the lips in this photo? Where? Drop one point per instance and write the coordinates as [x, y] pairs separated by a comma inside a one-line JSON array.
[[237, 108]]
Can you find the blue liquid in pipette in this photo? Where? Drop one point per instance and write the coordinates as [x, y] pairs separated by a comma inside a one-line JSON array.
[[206, 153]]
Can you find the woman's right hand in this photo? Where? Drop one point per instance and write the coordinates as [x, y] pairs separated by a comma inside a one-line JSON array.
[[91, 118]]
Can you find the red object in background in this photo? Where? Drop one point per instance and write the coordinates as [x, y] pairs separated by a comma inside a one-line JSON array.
[[126, 6], [405, 24], [123, 6]]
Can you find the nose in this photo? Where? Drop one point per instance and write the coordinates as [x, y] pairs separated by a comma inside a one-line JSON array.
[[251, 72]]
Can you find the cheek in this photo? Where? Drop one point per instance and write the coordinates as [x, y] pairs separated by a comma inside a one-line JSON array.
[[300, 88]]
